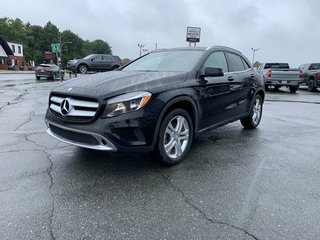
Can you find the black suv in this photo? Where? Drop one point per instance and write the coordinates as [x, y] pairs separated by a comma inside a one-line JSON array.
[[158, 103], [95, 62]]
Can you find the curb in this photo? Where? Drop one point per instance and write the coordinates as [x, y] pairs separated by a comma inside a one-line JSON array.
[[16, 72]]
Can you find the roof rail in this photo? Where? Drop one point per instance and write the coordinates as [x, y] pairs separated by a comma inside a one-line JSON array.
[[223, 48]]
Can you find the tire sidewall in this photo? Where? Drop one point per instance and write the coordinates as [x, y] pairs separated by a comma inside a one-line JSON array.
[[83, 65], [251, 111], [310, 85], [160, 143]]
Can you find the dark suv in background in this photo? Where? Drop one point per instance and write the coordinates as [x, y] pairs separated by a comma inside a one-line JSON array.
[[95, 62], [158, 103]]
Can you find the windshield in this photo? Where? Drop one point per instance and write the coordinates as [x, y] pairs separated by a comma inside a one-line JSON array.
[[89, 56], [166, 61]]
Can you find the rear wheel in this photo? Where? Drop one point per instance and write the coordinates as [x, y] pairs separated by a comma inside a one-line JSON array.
[[253, 120], [175, 137], [293, 89], [311, 87], [83, 68]]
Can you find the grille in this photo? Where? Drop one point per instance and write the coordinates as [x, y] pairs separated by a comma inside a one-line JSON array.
[[74, 136], [73, 108]]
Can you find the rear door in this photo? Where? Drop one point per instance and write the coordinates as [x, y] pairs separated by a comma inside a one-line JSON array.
[[242, 78], [107, 61]]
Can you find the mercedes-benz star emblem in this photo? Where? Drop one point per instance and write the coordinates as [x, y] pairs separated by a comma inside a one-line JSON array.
[[65, 107]]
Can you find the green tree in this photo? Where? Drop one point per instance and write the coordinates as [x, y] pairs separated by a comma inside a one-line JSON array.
[[99, 46], [126, 60], [52, 35], [256, 64], [72, 46]]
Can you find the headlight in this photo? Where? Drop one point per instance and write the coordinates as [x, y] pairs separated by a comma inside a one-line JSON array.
[[126, 103]]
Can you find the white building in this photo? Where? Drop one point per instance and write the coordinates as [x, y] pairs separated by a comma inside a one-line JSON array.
[[16, 48]]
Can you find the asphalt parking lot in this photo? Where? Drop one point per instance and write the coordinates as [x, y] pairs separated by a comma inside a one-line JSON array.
[[235, 183]]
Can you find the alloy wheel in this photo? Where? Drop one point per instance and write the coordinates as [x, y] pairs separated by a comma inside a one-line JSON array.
[[176, 137], [257, 109]]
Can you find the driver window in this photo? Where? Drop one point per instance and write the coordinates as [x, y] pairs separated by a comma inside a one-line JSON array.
[[217, 59]]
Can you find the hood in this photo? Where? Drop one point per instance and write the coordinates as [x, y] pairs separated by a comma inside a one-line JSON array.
[[108, 84]]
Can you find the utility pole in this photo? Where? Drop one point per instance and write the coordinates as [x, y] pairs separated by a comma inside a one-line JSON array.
[[253, 54], [140, 46]]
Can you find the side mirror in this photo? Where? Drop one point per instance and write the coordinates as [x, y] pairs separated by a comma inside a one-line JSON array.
[[92, 59], [213, 72]]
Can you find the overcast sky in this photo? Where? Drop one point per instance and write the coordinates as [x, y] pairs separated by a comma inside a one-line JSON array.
[[285, 31]]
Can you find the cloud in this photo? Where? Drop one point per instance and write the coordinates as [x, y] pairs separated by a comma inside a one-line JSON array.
[[283, 30]]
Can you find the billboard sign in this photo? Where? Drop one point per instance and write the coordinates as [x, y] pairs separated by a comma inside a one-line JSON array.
[[193, 34]]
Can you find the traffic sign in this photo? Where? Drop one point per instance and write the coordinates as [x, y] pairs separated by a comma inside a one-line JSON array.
[[55, 47]]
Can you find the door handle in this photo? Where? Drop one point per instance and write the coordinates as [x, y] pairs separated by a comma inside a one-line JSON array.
[[231, 78]]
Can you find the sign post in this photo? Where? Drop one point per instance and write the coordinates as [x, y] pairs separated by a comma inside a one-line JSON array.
[[193, 35], [56, 48]]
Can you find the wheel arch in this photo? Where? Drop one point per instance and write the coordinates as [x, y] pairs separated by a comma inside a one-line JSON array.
[[82, 64], [184, 102], [262, 94]]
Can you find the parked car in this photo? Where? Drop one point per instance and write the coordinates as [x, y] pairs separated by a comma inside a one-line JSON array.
[[95, 62], [158, 103], [311, 75], [279, 75], [49, 71]]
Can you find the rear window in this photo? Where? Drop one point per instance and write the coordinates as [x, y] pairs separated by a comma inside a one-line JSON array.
[[236, 63], [45, 65], [276, 65]]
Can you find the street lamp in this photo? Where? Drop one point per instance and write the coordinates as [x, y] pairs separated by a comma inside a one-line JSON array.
[[140, 46], [254, 52]]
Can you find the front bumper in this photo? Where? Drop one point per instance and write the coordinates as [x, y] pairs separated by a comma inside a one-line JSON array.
[[131, 132], [72, 67]]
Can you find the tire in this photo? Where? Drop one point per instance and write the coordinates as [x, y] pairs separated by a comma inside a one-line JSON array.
[[53, 77], [254, 118], [175, 137], [38, 78], [83, 68], [115, 67], [311, 87], [293, 89], [266, 87]]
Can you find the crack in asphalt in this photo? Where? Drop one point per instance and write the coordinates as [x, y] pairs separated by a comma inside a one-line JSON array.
[[26, 122], [49, 171], [200, 211], [16, 100]]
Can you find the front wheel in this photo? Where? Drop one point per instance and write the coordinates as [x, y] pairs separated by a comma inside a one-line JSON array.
[[83, 69], [253, 120], [175, 137], [293, 89]]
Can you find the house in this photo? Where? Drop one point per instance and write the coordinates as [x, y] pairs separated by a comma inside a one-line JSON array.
[[11, 55]]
